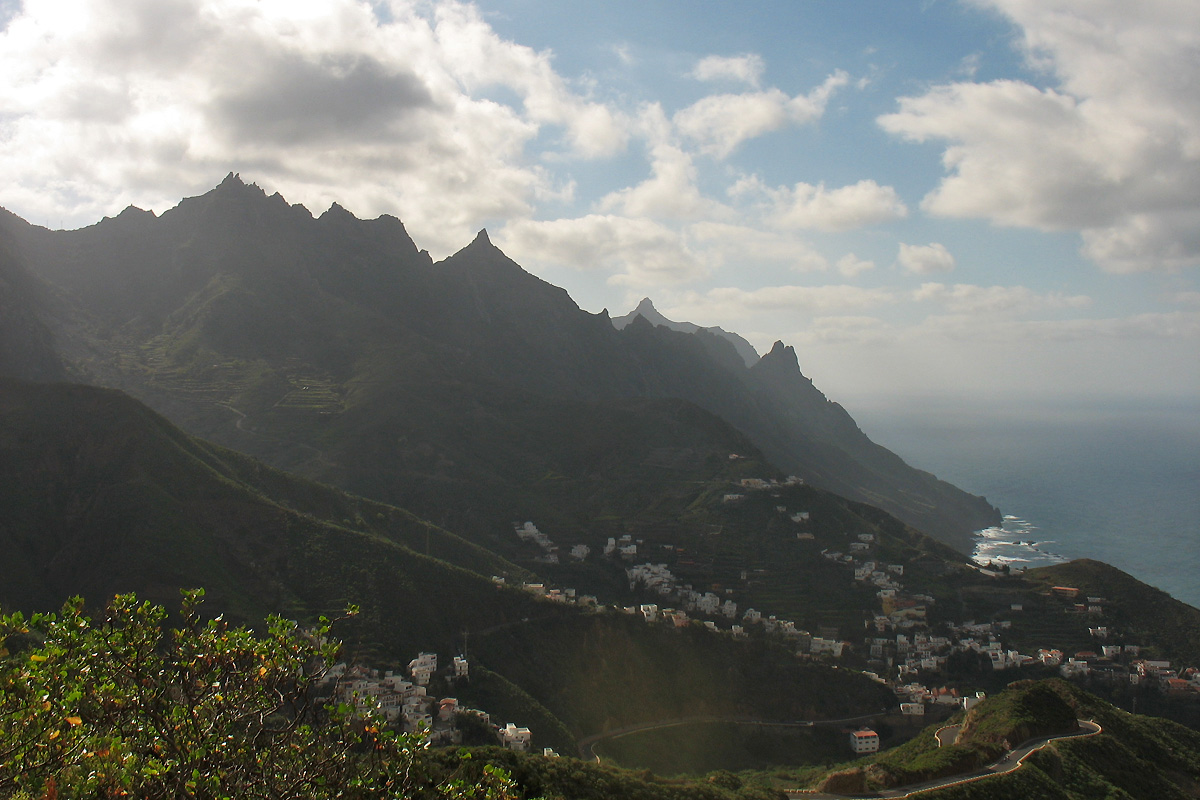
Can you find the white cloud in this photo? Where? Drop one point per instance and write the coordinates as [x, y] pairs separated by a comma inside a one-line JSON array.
[[1177, 325], [641, 252], [925, 259], [964, 298], [1113, 151], [624, 54], [851, 265], [747, 69], [969, 65], [735, 303], [719, 123], [638, 252], [479, 58], [741, 245], [855, 206], [671, 191], [838, 330], [112, 102]]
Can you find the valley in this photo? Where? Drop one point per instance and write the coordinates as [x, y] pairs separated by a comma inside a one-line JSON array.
[[650, 548]]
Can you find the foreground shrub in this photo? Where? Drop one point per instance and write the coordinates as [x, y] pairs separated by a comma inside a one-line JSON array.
[[118, 707]]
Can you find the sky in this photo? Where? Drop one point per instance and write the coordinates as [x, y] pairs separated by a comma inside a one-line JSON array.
[[991, 199]]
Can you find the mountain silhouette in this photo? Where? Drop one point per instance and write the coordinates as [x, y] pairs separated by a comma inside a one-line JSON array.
[[335, 347]]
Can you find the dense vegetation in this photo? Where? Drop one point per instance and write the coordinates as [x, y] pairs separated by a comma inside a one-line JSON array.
[[120, 707]]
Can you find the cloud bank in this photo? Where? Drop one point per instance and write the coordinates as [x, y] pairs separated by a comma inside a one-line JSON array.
[[1112, 151]]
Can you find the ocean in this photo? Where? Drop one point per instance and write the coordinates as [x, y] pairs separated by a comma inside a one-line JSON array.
[[1117, 483]]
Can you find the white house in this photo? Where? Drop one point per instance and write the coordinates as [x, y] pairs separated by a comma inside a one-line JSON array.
[[514, 738], [866, 741], [422, 667], [708, 603]]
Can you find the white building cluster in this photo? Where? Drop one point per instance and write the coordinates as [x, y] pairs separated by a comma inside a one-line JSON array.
[[407, 704], [401, 701], [528, 532]]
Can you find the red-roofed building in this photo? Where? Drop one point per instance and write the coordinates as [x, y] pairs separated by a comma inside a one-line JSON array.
[[864, 742]]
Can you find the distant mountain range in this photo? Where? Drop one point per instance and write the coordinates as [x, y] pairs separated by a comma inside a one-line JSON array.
[[647, 311], [335, 348]]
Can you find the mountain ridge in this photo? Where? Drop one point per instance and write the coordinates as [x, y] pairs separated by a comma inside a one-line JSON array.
[[647, 311], [231, 297]]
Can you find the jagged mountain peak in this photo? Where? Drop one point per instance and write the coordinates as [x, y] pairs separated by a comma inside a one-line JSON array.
[[783, 352], [133, 212], [782, 364], [646, 310], [481, 255], [249, 279], [233, 183], [130, 219], [337, 211]]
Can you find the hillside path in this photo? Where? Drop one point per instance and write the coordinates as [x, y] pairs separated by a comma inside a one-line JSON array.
[[587, 743], [1007, 764], [240, 424]]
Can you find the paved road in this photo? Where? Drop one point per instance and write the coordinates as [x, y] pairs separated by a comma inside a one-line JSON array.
[[1009, 763], [946, 735]]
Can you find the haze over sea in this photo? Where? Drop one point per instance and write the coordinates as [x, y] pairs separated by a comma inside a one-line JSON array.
[[1119, 482]]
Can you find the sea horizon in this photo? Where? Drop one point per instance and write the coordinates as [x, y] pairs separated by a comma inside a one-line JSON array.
[[1116, 481]]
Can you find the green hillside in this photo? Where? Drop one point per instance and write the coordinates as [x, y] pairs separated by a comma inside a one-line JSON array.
[[1136, 757], [1131, 608], [99, 495]]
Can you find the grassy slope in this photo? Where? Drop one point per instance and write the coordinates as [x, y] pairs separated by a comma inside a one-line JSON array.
[[703, 747], [1143, 758], [609, 671], [100, 495], [563, 778], [1134, 608]]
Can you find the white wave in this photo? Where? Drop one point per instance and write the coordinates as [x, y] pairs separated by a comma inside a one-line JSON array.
[[1014, 542]]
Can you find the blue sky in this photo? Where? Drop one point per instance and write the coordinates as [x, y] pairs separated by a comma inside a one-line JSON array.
[[975, 198]]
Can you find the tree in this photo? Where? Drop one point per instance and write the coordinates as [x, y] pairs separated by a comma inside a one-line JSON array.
[[118, 708]]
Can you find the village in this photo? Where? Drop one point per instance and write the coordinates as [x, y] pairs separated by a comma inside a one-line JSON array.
[[900, 648], [406, 704]]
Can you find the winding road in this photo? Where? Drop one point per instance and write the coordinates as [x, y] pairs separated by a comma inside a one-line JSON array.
[[945, 736]]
